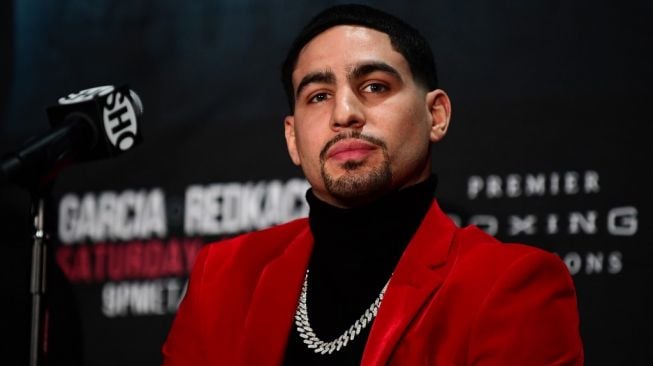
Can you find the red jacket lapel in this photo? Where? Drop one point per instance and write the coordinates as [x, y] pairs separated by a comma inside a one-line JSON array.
[[419, 273], [272, 309]]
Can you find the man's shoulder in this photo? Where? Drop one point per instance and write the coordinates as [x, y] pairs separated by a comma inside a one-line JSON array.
[[479, 249]]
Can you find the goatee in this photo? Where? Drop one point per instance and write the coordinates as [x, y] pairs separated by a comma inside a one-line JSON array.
[[359, 184]]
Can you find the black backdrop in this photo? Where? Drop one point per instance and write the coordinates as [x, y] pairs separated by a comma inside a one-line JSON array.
[[548, 146]]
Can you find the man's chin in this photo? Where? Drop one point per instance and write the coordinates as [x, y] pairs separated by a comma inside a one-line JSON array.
[[356, 184]]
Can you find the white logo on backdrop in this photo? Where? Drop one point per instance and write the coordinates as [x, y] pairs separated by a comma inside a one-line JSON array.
[[621, 220]]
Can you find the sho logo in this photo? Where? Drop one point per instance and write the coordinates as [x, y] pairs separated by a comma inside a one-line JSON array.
[[120, 121], [86, 94]]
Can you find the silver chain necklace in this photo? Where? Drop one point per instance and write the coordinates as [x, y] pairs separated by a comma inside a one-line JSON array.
[[316, 344]]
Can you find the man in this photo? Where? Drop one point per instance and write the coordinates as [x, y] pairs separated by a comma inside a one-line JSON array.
[[377, 274]]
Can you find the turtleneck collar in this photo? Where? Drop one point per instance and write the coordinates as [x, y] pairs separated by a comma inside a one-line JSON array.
[[395, 217]]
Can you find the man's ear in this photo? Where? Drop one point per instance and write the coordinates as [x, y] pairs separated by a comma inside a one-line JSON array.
[[291, 142], [440, 109]]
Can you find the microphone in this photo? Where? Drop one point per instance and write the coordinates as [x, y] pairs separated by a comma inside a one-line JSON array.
[[92, 124]]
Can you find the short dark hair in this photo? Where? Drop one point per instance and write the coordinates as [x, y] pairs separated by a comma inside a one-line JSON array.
[[404, 39]]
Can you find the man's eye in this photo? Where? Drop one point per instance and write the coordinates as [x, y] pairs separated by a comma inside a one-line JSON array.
[[375, 88], [317, 98]]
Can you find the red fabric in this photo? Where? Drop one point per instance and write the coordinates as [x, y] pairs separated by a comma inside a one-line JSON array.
[[457, 297]]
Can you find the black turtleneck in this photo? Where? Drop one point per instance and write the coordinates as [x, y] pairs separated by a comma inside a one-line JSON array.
[[354, 254]]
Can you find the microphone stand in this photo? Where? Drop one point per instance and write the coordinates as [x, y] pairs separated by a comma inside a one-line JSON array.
[[39, 319], [77, 122], [38, 182]]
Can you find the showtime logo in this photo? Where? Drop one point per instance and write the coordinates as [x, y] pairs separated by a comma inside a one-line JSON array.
[[120, 121]]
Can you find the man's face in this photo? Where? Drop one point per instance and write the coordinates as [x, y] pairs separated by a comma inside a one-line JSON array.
[[361, 125]]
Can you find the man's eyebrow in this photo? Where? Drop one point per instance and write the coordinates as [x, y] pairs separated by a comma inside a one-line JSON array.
[[367, 68], [326, 77]]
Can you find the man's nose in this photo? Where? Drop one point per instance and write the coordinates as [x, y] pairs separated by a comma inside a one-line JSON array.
[[347, 111]]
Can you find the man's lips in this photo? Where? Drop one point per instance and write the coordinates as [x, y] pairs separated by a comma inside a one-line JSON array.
[[350, 149]]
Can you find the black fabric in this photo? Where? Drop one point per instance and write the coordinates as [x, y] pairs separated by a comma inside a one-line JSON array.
[[354, 255]]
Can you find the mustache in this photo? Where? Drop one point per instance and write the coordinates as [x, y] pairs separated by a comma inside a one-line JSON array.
[[351, 135]]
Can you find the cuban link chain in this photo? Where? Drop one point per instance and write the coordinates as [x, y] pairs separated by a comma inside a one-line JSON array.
[[316, 344]]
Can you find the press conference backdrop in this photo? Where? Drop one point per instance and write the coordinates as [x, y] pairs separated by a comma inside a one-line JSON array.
[[548, 145]]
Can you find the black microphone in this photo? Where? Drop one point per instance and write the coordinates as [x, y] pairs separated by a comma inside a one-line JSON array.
[[92, 124]]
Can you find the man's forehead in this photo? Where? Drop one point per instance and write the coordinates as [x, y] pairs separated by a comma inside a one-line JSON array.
[[372, 46], [344, 33]]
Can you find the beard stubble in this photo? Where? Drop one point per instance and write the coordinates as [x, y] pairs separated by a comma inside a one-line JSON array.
[[359, 183]]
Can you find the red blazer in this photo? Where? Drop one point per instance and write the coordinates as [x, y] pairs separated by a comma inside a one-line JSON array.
[[457, 297]]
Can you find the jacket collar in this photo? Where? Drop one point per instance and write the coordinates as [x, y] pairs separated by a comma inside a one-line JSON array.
[[419, 273], [274, 301]]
